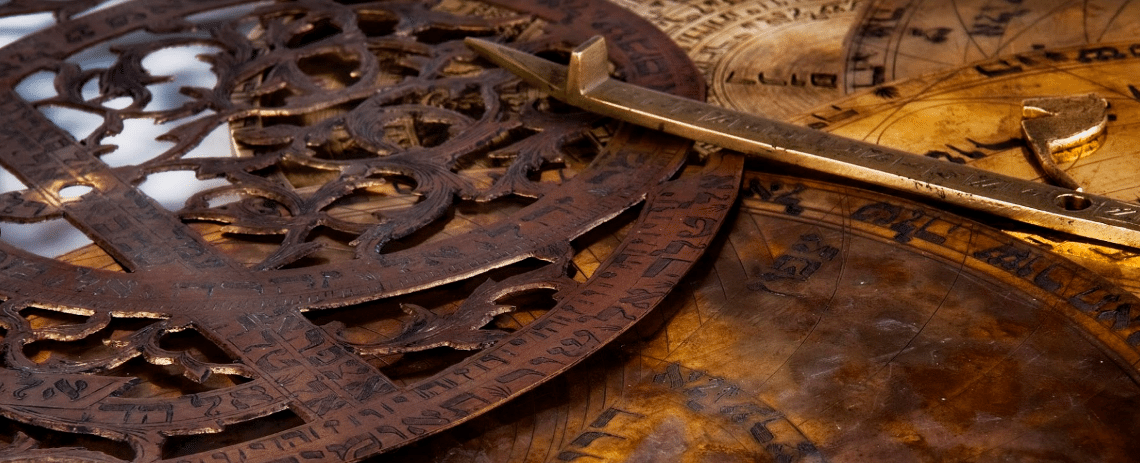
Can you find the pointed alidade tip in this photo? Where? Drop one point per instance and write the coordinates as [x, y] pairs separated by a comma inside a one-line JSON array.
[[547, 75]]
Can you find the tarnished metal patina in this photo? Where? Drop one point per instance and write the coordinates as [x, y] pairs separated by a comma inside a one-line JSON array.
[[398, 251]]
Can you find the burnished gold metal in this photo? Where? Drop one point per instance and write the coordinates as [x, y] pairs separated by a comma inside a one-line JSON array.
[[1063, 130]]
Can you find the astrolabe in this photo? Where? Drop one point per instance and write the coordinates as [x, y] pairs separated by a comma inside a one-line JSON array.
[[953, 326], [829, 323], [401, 238]]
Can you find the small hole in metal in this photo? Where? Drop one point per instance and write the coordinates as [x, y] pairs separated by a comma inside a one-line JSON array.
[[74, 191], [1072, 202]]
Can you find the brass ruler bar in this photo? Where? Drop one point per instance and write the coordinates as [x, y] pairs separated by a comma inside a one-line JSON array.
[[586, 83]]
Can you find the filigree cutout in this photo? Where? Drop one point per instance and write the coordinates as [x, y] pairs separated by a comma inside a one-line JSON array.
[[373, 158], [465, 328]]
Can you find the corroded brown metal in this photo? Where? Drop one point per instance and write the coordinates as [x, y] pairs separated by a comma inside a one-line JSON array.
[[359, 128]]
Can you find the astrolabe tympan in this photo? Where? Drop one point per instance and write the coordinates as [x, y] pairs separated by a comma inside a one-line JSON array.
[[403, 237], [781, 58], [974, 115]]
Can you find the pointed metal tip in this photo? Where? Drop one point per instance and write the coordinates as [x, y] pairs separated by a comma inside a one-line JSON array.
[[483, 47], [547, 75]]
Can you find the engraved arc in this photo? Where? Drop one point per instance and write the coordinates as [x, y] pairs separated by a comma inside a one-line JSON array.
[[350, 409]]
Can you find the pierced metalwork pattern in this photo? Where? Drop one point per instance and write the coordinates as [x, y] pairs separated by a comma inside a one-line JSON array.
[[378, 168]]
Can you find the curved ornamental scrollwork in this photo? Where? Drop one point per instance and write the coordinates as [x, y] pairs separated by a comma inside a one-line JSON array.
[[396, 237]]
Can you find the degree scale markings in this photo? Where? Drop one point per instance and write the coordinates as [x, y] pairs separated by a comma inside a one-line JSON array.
[[255, 316], [587, 85], [599, 311], [361, 279]]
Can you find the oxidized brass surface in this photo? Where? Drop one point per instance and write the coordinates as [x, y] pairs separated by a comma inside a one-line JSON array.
[[404, 253]]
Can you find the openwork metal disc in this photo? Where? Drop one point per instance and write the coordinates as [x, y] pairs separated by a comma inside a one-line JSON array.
[[389, 249]]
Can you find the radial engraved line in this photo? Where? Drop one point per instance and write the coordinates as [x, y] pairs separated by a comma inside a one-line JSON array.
[[966, 30], [1026, 29], [1108, 24], [949, 290]]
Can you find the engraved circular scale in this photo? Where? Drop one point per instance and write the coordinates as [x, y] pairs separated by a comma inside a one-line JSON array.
[[397, 252]]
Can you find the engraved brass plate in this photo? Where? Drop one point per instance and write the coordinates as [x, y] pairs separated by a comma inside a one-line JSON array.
[[400, 252]]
